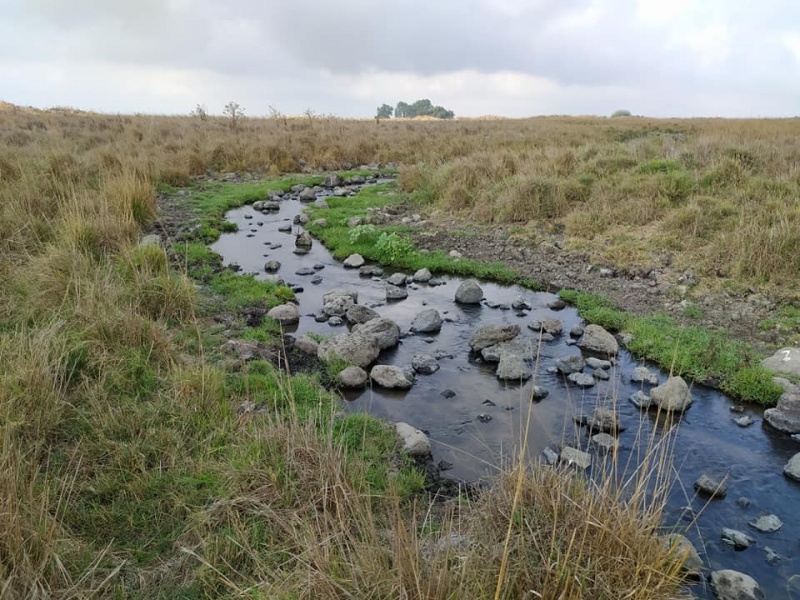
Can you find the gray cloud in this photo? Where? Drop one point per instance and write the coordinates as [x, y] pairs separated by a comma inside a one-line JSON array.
[[664, 57]]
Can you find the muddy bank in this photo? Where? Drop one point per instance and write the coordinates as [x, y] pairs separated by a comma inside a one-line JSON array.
[[639, 291]]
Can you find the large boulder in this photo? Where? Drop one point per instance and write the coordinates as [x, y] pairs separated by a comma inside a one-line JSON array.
[[412, 440], [551, 326], [389, 376], [469, 292], [598, 340], [285, 314], [427, 321], [733, 585], [489, 335], [385, 331], [786, 415], [355, 348], [672, 395]]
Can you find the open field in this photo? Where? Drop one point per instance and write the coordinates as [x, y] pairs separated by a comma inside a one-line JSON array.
[[132, 463]]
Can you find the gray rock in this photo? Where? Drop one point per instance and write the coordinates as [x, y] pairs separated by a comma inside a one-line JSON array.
[[604, 442], [576, 331], [682, 549], [490, 335], [272, 266], [520, 303], [601, 375], [422, 276], [513, 368], [469, 292], [733, 585], [596, 363], [672, 396], [354, 221], [455, 254], [550, 456], [644, 375], [395, 293], [321, 223], [152, 239], [785, 360], [303, 240], [270, 205], [427, 321], [304, 271], [641, 400], [604, 420], [353, 377], [397, 279], [786, 415], [566, 365], [286, 228], [304, 218], [551, 326], [412, 440], [539, 393], [332, 180], [573, 456], [581, 380], [519, 347], [355, 348], [357, 314], [744, 421], [557, 304], [337, 305], [336, 321], [598, 340], [307, 345], [307, 195], [424, 364], [772, 557], [370, 271], [738, 539], [792, 468], [711, 486], [353, 294], [385, 331], [389, 376], [285, 314], [767, 523], [354, 261]]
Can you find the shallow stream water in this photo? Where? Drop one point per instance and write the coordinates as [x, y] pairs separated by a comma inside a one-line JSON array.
[[479, 426]]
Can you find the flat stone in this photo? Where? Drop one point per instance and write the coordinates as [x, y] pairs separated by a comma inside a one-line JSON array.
[[711, 486], [412, 440], [733, 585], [551, 326], [385, 331], [358, 314], [513, 368], [641, 400], [767, 523], [604, 419], [573, 456], [644, 375], [738, 539], [355, 348], [786, 415], [305, 271], [744, 421], [601, 375], [604, 442], [572, 363], [397, 279], [490, 335], [336, 321], [287, 228], [581, 380], [596, 363], [395, 293]]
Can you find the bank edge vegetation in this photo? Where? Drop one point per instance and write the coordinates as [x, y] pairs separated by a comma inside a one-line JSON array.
[[128, 467]]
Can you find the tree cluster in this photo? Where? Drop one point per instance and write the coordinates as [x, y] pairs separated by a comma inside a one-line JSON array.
[[420, 108]]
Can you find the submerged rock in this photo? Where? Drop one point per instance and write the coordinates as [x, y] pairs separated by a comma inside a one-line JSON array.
[[738, 539], [767, 523], [711, 486]]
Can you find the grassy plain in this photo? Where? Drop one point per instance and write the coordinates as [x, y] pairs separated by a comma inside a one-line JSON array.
[[133, 466]]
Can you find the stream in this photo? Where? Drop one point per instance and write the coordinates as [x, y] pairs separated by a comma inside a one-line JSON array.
[[474, 420]]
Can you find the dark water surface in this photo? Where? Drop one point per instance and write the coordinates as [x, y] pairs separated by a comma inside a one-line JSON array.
[[705, 440]]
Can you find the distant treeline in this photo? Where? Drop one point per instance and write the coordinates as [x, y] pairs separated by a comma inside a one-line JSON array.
[[420, 108]]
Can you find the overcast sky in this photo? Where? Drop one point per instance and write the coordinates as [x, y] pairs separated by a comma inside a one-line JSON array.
[[346, 57]]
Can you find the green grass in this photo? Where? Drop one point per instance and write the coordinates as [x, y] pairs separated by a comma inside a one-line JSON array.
[[786, 322], [391, 245], [699, 354]]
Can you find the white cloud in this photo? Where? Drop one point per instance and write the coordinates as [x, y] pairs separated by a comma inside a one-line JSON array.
[[661, 12]]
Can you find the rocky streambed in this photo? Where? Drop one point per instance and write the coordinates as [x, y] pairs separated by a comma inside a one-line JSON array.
[[462, 364]]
